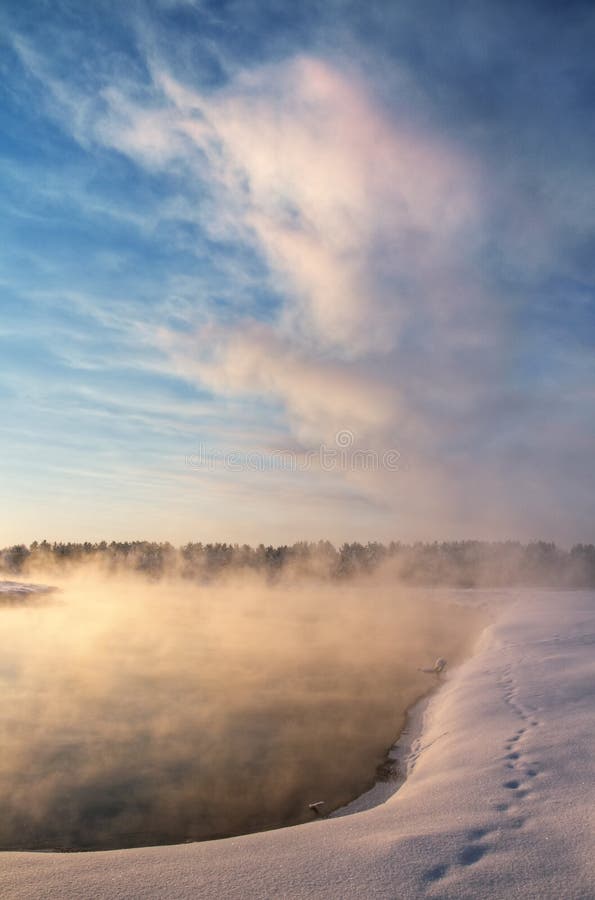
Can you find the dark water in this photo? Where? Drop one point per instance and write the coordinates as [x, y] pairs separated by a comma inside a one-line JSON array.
[[135, 714]]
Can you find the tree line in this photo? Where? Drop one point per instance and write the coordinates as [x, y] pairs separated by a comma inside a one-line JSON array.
[[452, 563]]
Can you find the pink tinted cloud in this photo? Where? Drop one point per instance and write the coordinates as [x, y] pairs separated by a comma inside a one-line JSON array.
[[321, 397], [364, 222], [326, 182]]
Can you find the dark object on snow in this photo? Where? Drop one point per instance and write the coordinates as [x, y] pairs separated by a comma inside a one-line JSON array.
[[437, 669], [317, 807], [388, 770]]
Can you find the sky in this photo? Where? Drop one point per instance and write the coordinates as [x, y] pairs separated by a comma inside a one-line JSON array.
[[276, 272]]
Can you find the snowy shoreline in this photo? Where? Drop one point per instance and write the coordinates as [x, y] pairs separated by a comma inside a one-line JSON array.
[[499, 803], [402, 754]]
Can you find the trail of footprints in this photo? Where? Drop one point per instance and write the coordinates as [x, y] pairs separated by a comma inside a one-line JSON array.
[[519, 770]]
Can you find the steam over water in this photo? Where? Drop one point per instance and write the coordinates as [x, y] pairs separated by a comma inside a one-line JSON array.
[[138, 713]]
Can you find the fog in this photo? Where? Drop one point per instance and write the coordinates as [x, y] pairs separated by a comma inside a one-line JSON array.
[[139, 712]]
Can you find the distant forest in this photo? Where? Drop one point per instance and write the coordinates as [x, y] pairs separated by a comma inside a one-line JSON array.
[[453, 563]]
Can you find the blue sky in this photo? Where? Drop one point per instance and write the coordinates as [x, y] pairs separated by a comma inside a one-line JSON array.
[[251, 227]]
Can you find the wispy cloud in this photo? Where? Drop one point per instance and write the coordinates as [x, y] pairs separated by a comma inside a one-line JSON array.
[[334, 219]]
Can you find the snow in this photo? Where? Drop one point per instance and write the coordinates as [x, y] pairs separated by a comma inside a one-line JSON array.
[[499, 801], [21, 589]]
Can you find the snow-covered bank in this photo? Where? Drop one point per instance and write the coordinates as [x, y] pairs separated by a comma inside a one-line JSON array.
[[401, 757], [500, 803], [23, 590]]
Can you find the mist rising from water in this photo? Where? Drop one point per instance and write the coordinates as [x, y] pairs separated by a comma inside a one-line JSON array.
[[138, 713]]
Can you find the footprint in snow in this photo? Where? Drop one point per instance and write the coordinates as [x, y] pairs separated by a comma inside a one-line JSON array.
[[476, 834], [501, 807], [472, 854], [436, 873]]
